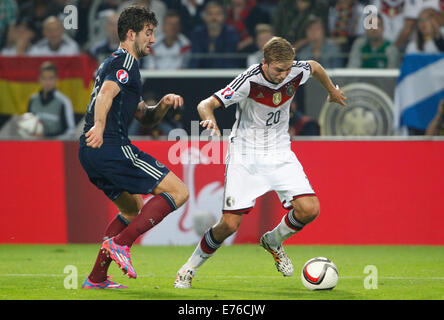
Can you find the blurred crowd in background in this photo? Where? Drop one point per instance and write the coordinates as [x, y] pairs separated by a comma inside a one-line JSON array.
[[230, 34]]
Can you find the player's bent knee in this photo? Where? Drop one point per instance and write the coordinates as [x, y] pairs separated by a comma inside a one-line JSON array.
[[307, 210], [226, 227], [129, 205], [180, 194], [313, 211], [230, 226], [129, 216]]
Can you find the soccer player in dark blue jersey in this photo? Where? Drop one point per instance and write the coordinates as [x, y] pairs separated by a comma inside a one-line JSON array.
[[112, 163]]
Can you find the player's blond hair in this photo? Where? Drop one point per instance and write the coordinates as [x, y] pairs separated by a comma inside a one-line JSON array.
[[278, 49]]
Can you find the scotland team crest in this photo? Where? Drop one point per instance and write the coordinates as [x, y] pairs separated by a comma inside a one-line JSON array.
[[122, 76]]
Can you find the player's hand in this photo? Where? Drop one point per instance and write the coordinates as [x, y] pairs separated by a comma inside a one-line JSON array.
[[173, 100], [336, 95], [94, 137], [211, 125]]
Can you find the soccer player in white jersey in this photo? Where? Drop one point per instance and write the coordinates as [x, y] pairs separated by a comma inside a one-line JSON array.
[[259, 157]]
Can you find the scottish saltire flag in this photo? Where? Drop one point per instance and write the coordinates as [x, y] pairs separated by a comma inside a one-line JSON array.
[[419, 89]]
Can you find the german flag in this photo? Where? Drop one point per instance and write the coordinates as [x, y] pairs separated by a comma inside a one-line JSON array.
[[19, 79]]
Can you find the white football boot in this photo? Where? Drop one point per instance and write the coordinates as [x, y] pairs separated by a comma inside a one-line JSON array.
[[282, 262], [184, 278]]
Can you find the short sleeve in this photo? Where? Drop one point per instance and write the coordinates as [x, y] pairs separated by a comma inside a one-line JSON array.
[[238, 89], [228, 95], [305, 67], [120, 70]]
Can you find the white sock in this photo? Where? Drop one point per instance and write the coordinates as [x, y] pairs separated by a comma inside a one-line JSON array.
[[283, 231], [197, 258]]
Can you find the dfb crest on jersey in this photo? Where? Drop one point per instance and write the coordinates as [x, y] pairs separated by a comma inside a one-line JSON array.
[[122, 76], [277, 98], [290, 90], [369, 112]]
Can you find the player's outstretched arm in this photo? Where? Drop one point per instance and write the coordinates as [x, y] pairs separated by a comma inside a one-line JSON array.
[[206, 112], [334, 93], [150, 116], [94, 137]]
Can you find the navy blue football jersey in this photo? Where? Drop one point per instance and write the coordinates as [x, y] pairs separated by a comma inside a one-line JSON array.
[[122, 68]]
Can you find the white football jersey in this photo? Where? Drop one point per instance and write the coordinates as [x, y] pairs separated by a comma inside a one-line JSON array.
[[262, 115]]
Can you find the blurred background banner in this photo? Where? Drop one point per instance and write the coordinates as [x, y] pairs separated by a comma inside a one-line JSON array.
[[19, 79], [371, 192], [419, 89]]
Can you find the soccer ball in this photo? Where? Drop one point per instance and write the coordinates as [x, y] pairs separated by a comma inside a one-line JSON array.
[[319, 274], [29, 125]]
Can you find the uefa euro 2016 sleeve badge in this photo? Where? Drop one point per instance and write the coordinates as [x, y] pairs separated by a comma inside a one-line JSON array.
[[122, 76]]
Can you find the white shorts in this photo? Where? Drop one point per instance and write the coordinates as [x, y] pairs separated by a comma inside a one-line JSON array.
[[245, 181]]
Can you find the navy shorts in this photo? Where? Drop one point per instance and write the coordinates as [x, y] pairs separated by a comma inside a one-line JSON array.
[[114, 169]]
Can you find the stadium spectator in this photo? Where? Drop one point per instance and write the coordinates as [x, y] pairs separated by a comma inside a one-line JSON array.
[[428, 37], [190, 12], [52, 107], [8, 17], [302, 125], [38, 11], [373, 51], [19, 39], [346, 22], [110, 44], [436, 126], [392, 13], [291, 17], [244, 15], [319, 48], [264, 32], [55, 41], [412, 10], [172, 49], [214, 40]]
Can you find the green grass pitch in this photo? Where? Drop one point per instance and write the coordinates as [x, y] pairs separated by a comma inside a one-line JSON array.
[[237, 272]]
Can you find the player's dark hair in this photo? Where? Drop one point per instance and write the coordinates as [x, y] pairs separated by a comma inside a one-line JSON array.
[[134, 18]]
